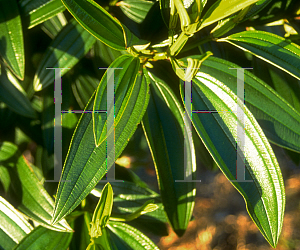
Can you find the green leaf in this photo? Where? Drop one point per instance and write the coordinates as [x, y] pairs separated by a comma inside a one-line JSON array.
[[31, 197], [54, 25], [129, 73], [39, 11], [85, 164], [128, 197], [265, 195], [14, 96], [269, 47], [127, 237], [41, 238], [222, 9], [83, 88], [97, 21], [279, 121], [164, 128], [147, 207], [102, 211], [63, 54], [136, 10], [13, 226], [11, 39]]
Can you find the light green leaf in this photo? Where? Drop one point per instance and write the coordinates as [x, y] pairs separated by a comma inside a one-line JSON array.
[[97, 21], [279, 121], [63, 54], [14, 96], [265, 195], [126, 237], [164, 128], [102, 211], [136, 10], [222, 9], [11, 38], [147, 207], [41, 238], [13, 226], [85, 164], [269, 47], [128, 197], [39, 11], [31, 197]]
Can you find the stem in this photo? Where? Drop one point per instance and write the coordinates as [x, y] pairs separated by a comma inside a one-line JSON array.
[[179, 43]]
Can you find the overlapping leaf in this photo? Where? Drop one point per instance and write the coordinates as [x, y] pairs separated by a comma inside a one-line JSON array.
[[13, 226], [136, 10], [39, 11], [86, 164], [30, 196], [97, 21], [265, 195], [269, 47], [11, 38], [164, 128], [279, 121], [42, 237], [14, 96], [63, 54], [224, 8]]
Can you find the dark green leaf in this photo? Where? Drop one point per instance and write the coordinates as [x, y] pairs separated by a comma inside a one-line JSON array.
[[269, 47], [279, 121], [164, 128], [62, 53], [85, 164], [136, 10], [97, 21], [13, 95], [11, 38], [265, 195], [40, 11], [128, 237], [41, 238]]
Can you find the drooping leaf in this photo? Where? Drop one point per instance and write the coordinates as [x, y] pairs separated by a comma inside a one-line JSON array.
[[41, 238], [39, 11], [97, 21], [85, 164], [164, 128], [269, 47], [14, 96], [136, 10], [29, 195], [224, 8], [11, 38], [13, 226], [279, 121], [264, 194], [62, 53]]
